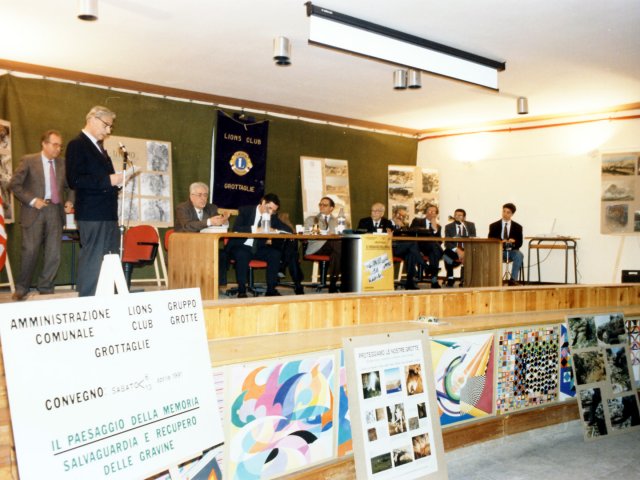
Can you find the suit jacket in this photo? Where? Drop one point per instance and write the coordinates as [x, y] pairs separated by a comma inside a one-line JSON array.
[[187, 218], [495, 231], [367, 224], [450, 230], [88, 173], [28, 182], [245, 220], [314, 245], [421, 223]]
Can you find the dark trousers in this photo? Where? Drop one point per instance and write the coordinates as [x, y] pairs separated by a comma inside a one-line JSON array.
[[410, 254], [97, 239], [290, 259], [433, 251], [332, 248], [243, 254], [45, 231], [451, 261]]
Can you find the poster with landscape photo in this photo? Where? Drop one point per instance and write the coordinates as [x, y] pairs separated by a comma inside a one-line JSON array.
[[6, 170], [620, 193], [412, 188]]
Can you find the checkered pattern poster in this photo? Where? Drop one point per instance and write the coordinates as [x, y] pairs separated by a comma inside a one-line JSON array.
[[527, 373]]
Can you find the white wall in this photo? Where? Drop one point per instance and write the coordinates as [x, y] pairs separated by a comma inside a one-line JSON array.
[[550, 174]]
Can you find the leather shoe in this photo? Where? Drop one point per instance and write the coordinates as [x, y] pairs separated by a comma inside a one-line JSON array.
[[411, 286], [47, 292], [450, 282], [513, 283], [435, 285], [299, 290], [19, 296], [272, 293], [242, 294]]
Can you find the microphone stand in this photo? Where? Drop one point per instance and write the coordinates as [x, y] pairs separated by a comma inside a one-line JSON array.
[[125, 160]]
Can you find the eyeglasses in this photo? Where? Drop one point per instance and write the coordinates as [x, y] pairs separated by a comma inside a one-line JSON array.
[[324, 204], [58, 145], [201, 195], [107, 125], [377, 210]]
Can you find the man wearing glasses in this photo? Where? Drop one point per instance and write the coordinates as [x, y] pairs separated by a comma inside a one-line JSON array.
[[326, 223], [91, 174], [39, 184], [197, 214]]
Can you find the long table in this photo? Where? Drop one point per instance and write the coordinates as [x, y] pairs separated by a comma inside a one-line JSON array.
[[194, 258]]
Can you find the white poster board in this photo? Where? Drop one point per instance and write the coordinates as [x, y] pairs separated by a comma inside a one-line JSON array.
[[109, 387], [148, 192], [392, 401]]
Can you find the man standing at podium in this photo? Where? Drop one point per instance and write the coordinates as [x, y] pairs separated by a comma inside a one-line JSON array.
[[510, 233]]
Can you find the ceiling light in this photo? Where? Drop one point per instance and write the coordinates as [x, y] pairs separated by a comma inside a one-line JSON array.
[[88, 10], [413, 79], [523, 106], [350, 34], [399, 79], [282, 51]]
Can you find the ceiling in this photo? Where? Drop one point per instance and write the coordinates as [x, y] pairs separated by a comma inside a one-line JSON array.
[[566, 56]]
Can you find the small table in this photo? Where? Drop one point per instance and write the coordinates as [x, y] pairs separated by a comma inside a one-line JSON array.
[[554, 243]]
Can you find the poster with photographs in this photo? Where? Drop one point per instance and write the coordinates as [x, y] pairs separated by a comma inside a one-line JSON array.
[[412, 189], [603, 376], [325, 177], [6, 170], [620, 193], [527, 373], [633, 328], [148, 192], [393, 409]]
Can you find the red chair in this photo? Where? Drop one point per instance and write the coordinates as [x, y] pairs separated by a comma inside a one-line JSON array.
[[323, 262], [140, 249], [253, 265], [167, 234]]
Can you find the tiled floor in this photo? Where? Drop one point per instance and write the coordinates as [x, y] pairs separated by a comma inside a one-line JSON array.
[[555, 452]]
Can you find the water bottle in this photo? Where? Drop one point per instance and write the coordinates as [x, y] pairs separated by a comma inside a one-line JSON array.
[[342, 222], [266, 222]]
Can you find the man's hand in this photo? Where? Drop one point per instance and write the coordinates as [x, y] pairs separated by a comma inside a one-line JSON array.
[[39, 203], [116, 179]]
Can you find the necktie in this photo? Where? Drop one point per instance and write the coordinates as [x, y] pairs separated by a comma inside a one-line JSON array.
[[459, 230], [55, 195], [199, 214], [505, 232], [376, 224]]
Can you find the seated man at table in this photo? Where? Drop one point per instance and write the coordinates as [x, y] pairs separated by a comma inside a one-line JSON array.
[[429, 227], [326, 223], [510, 233], [196, 214], [454, 251], [406, 250], [250, 219]]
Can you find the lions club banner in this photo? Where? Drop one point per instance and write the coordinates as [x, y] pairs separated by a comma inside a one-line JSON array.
[[240, 161]]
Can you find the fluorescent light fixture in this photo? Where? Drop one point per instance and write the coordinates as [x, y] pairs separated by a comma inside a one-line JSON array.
[[350, 34]]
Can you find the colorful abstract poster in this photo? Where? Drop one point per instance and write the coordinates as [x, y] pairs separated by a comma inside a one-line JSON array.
[[464, 374], [602, 370], [633, 328], [280, 416], [345, 441], [567, 384], [394, 421], [527, 374]]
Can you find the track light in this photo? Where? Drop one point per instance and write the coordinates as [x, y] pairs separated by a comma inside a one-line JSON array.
[[413, 79], [399, 79], [523, 106], [282, 51], [88, 10]]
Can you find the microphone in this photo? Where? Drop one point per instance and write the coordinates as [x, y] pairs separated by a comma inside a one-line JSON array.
[[125, 155]]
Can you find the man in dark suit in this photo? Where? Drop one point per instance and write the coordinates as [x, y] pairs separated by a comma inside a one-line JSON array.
[[408, 251], [91, 174], [429, 227], [250, 220], [197, 214], [454, 251], [510, 233], [39, 184]]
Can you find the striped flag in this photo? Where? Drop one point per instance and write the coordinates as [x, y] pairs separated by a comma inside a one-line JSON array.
[[3, 238]]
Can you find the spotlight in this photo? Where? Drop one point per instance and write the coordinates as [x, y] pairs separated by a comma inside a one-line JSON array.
[[282, 51], [88, 10], [414, 80], [400, 79], [523, 106]]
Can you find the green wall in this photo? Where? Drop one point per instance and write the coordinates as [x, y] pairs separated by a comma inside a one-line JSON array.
[[35, 105]]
